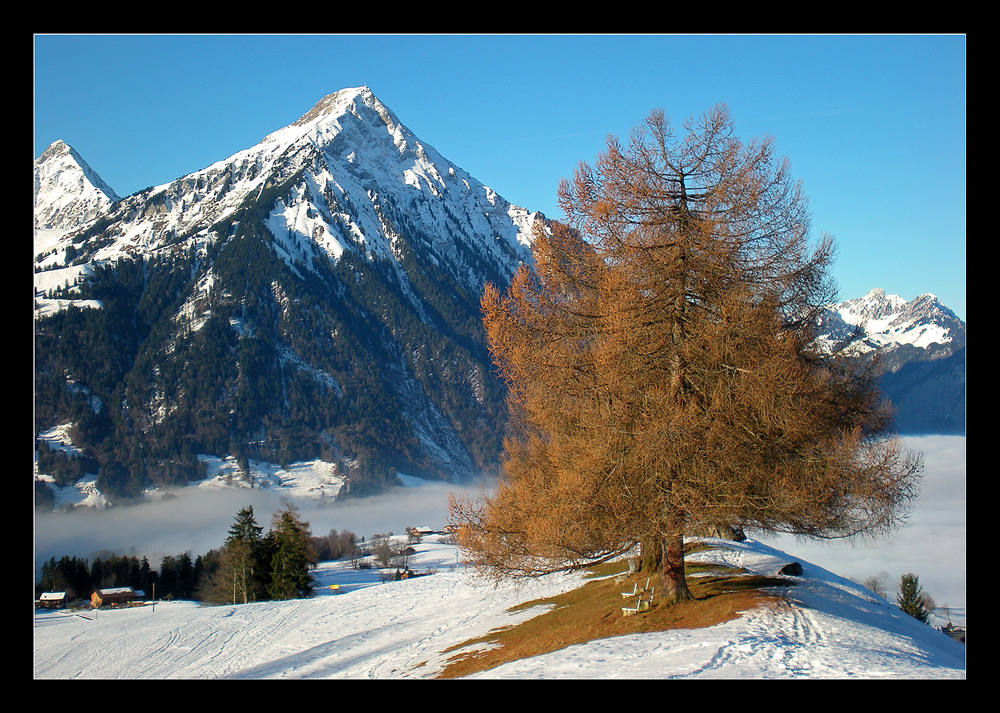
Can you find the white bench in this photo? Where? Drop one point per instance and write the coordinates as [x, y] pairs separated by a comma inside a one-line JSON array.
[[629, 611], [633, 567]]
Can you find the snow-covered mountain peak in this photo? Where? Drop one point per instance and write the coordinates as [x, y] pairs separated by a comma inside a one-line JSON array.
[[67, 192], [350, 112], [365, 176], [357, 251], [886, 322], [376, 181], [875, 305], [339, 102], [877, 311]]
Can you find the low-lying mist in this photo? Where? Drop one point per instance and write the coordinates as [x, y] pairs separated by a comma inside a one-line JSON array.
[[196, 520], [932, 545]]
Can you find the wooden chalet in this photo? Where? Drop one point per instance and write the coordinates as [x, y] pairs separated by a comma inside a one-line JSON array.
[[112, 596], [52, 600]]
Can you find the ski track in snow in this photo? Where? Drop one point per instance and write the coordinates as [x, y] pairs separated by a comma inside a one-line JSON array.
[[827, 627]]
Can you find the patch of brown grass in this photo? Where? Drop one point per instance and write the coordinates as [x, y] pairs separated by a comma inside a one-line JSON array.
[[594, 611]]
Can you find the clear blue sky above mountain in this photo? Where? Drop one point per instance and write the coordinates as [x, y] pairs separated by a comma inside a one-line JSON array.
[[874, 125]]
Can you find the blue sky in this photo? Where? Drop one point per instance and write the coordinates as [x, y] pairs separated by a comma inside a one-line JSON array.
[[874, 125]]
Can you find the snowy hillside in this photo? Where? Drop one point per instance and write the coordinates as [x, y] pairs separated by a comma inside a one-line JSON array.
[[830, 628]]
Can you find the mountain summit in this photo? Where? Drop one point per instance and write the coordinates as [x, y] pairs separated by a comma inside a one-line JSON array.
[[67, 192], [313, 296], [361, 163], [886, 323]]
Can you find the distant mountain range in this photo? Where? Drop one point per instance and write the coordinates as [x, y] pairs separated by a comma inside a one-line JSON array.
[[316, 296], [921, 348]]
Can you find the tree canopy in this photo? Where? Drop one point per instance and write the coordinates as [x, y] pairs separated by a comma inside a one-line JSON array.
[[292, 556], [243, 559], [661, 373], [911, 598]]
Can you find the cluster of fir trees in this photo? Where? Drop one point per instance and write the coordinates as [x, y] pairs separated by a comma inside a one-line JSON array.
[[177, 577], [250, 566], [65, 468], [256, 566], [85, 361], [222, 392]]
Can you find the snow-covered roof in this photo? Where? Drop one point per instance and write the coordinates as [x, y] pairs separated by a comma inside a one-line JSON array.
[[116, 590]]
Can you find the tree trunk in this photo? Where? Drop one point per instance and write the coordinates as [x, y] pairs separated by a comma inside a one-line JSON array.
[[672, 579], [650, 555]]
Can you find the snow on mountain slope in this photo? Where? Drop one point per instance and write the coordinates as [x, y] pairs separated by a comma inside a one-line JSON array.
[[67, 193], [360, 164], [829, 628], [920, 347], [881, 322], [341, 252]]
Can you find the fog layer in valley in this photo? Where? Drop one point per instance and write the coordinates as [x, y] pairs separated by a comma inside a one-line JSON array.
[[932, 545]]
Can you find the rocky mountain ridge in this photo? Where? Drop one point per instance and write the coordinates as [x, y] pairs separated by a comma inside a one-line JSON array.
[[316, 295], [921, 348], [883, 323]]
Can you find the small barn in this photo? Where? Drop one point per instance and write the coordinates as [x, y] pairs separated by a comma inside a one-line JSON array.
[[112, 596], [52, 600]]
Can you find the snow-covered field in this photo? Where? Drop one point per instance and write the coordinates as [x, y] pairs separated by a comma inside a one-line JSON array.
[[831, 628]]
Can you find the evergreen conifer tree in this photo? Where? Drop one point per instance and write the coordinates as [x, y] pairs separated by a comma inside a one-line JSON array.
[[185, 576], [241, 563], [291, 558], [910, 597]]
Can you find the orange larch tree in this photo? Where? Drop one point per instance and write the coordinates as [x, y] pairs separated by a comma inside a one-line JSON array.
[[661, 371]]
